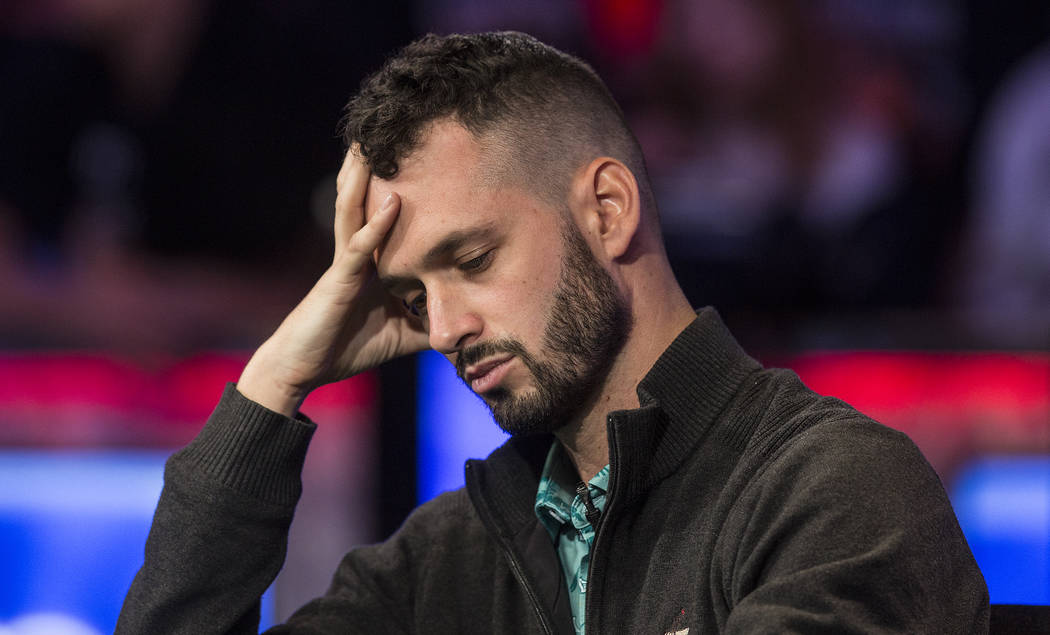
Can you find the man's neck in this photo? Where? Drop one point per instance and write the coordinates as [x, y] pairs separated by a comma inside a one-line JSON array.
[[585, 438]]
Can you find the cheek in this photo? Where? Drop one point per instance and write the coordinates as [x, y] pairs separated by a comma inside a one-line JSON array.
[[523, 303]]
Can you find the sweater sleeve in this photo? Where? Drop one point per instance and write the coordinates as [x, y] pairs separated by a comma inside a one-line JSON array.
[[220, 530], [849, 530]]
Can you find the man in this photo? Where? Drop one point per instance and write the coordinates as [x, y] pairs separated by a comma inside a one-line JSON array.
[[494, 206]]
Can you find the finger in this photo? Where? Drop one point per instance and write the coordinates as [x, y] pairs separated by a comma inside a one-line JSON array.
[[353, 151], [352, 184], [367, 239]]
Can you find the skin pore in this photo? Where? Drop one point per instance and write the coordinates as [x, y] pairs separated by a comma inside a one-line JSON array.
[[538, 308]]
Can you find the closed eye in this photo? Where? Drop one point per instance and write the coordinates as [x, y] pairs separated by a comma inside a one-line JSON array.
[[477, 265], [417, 305]]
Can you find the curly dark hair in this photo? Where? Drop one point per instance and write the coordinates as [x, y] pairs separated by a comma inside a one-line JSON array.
[[545, 112]]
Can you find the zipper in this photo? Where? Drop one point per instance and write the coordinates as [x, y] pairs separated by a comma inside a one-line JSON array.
[[519, 574], [512, 557], [610, 504]]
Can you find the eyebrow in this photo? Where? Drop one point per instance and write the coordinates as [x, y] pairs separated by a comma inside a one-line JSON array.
[[441, 252]]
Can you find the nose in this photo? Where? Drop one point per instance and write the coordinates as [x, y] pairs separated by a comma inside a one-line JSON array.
[[451, 322]]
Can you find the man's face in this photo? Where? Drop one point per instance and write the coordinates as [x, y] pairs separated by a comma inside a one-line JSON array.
[[584, 330], [506, 286]]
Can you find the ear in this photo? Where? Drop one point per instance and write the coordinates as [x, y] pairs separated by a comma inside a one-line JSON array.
[[608, 204]]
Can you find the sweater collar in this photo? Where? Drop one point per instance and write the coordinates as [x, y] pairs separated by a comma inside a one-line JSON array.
[[681, 396]]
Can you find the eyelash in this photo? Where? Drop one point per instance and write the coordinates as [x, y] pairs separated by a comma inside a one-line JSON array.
[[476, 265], [417, 306]]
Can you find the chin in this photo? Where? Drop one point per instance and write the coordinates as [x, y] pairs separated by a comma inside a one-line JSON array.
[[526, 414]]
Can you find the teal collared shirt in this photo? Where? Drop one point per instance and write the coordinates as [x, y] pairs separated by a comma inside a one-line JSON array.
[[564, 513]]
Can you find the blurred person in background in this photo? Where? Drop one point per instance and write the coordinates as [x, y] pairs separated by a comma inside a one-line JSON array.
[[801, 161], [1006, 258], [495, 206]]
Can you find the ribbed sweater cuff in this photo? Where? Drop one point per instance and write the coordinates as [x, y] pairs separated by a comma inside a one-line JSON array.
[[251, 449]]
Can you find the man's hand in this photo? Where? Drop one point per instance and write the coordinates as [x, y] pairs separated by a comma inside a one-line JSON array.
[[347, 323]]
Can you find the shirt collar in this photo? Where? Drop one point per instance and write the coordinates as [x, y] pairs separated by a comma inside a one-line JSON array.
[[556, 494]]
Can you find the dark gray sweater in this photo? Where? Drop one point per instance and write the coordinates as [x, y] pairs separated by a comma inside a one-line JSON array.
[[739, 502]]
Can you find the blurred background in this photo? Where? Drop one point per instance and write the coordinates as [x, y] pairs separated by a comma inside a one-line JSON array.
[[861, 187]]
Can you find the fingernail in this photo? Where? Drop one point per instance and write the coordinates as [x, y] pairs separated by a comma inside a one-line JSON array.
[[388, 202]]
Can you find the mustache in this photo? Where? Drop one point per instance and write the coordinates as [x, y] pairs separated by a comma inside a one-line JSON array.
[[474, 354]]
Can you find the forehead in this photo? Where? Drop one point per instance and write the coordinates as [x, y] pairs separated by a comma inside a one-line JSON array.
[[444, 189], [445, 165]]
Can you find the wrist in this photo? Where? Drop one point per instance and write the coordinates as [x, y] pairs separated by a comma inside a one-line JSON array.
[[260, 385]]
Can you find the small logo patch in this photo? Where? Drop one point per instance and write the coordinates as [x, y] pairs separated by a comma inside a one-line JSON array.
[[678, 626]]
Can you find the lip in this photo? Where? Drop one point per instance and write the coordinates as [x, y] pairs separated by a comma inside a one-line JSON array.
[[487, 374]]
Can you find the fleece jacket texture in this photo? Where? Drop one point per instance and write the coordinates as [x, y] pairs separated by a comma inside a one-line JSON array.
[[739, 502]]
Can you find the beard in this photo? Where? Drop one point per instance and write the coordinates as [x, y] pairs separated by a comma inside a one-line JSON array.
[[587, 327]]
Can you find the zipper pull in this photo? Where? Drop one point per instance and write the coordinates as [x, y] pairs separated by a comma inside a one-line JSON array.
[[591, 512]]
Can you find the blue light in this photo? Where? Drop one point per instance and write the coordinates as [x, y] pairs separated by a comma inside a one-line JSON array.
[[454, 425], [73, 528], [1003, 505]]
